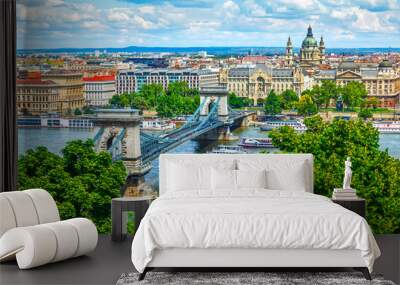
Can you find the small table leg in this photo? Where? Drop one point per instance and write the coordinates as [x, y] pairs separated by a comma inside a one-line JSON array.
[[116, 221], [139, 213]]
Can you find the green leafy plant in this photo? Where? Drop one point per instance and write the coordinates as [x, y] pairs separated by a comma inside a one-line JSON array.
[[238, 102], [365, 114], [288, 99], [353, 94], [177, 100], [272, 104], [82, 182], [375, 173], [306, 106]]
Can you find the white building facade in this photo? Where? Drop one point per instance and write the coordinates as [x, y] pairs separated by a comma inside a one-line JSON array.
[[129, 81], [98, 90]]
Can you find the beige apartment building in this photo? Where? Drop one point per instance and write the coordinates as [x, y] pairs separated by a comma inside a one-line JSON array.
[[256, 82], [56, 91], [69, 86], [382, 81], [36, 96]]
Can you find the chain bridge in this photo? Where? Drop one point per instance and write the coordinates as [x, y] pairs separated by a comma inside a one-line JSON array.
[[118, 130]]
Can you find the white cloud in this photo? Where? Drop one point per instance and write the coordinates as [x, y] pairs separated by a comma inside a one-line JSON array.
[[142, 23], [221, 22], [300, 4], [54, 3], [119, 15], [230, 9], [93, 25], [254, 9], [369, 22], [147, 9]]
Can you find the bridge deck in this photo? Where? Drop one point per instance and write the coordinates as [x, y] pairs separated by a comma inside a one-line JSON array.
[[152, 146]]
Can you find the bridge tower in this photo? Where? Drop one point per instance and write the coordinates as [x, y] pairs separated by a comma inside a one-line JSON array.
[[213, 95], [118, 132]]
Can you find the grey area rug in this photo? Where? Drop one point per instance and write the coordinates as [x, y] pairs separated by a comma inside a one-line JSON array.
[[228, 278]]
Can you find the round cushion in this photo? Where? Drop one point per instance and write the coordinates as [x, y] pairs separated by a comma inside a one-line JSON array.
[[45, 205], [87, 235]]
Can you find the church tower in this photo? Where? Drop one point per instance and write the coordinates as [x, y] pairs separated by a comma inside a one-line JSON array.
[[310, 52], [289, 53], [322, 49]]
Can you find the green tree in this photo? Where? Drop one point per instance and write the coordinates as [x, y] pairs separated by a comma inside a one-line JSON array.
[[272, 104], [77, 112], [353, 94], [238, 102], [151, 93], [82, 182], [365, 113], [328, 92], [306, 105], [260, 102], [87, 110], [370, 102], [181, 88], [289, 99], [178, 100], [375, 173], [123, 100], [316, 95]]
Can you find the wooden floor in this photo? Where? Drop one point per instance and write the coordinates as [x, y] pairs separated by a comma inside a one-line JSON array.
[[110, 260]]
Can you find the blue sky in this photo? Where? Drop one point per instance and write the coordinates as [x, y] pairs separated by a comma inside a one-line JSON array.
[[177, 23]]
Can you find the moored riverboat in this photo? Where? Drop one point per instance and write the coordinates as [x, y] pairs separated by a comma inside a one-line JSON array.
[[228, 149], [387, 127], [295, 124], [157, 125], [256, 142]]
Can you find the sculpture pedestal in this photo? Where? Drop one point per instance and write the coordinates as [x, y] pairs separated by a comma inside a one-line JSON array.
[[343, 194]]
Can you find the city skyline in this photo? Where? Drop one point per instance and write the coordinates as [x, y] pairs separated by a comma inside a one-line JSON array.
[[51, 24]]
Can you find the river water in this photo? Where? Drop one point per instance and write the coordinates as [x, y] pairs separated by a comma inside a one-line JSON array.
[[55, 139]]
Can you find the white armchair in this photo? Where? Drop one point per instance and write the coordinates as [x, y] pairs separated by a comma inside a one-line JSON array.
[[31, 230]]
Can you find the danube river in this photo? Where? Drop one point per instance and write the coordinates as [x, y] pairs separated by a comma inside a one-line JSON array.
[[55, 139]]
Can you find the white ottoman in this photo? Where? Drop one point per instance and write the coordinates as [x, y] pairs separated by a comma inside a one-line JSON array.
[[31, 232]]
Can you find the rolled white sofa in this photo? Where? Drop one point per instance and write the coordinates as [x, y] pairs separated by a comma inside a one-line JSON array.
[[31, 231]]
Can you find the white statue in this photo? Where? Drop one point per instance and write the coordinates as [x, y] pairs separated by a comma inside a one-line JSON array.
[[347, 174]]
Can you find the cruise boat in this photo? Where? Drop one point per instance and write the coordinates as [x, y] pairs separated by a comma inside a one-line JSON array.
[[157, 125], [296, 125], [387, 127], [228, 149], [256, 142]]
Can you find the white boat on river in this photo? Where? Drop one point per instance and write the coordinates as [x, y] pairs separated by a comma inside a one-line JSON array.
[[387, 127], [296, 125]]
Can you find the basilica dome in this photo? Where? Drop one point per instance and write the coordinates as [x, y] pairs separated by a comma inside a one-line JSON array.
[[309, 41], [385, 64]]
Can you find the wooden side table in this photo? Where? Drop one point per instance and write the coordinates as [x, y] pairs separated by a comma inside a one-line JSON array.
[[356, 205], [119, 208]]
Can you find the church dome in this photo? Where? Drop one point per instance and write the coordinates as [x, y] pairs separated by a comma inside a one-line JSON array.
[[309, 41], [385, 64]]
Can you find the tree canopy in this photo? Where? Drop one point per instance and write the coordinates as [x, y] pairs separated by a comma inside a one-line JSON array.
[[177, 100], [353, 94], [272, 104], [375, 173], [288, 99], [238, 102], [365, 114], [306, 106], [82, 182]]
